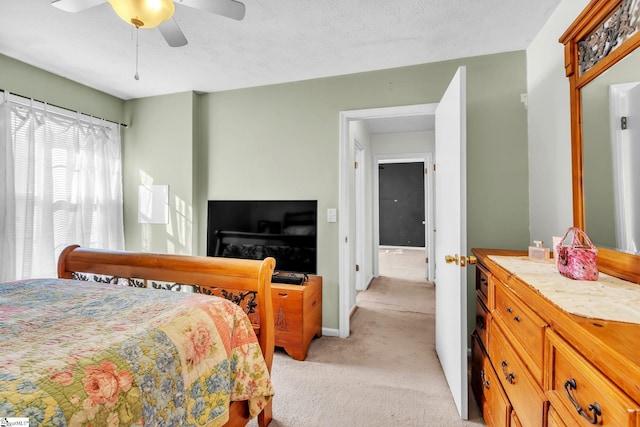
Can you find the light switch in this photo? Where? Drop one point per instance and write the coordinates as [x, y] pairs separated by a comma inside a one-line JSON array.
[[332, 215]]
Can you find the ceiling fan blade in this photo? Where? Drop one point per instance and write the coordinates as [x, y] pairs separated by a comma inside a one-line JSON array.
[[172, 33], [75, 5], [229, 8]]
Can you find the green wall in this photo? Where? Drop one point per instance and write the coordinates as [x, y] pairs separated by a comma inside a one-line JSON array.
[[549, 127], [22, 79], [282, 141], [159, 150]]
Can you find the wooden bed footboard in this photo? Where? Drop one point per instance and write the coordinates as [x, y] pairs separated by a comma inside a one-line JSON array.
[[206, 274]]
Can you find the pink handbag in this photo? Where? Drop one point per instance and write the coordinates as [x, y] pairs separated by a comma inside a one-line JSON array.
[[578, 260]]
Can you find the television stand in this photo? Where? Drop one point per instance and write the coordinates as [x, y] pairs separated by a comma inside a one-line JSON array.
[[297, 312]]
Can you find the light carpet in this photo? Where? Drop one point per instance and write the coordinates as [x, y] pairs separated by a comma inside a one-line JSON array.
[[385, 374]]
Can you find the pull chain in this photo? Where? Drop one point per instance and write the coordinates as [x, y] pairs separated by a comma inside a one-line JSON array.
[[136, 76]]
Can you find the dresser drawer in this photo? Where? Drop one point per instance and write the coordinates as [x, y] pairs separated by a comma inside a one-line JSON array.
[[553, 419], [482, 283], [580, 393], [477, 364], [482, 319], [487, 390], [523, 326], [521, 388], [515, 421]]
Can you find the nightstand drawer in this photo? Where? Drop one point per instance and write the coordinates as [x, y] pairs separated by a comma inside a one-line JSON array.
[[523, 326], [580, 394]]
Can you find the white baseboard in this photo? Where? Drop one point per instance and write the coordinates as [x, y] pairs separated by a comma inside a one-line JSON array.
[[371, 277], [330, 332], [353, 310]]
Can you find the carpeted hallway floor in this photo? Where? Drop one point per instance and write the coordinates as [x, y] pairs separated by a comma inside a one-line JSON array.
[[385, 374]]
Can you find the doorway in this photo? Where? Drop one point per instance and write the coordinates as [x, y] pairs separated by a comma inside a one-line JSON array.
[[450, 113], [402, 117], [428, 229]]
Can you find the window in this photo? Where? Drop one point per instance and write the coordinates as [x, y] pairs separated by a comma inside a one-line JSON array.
[[62, 185]]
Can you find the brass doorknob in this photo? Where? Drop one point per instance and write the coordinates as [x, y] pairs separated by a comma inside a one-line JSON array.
[[462, 260], [470, 260]]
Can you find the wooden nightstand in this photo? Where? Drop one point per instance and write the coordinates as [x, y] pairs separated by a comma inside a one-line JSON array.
[[297, 312]]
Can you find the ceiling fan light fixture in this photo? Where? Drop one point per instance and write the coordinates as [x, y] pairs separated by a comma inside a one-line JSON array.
[[143, 13]]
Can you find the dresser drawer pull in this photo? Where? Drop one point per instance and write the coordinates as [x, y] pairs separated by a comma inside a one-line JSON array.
[[593, 407], [283, 294], [480, 323], [485, 382], [509, 376], [517, 318], [509, 310]]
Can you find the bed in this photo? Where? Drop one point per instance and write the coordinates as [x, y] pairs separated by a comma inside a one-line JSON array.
[[97, 347]]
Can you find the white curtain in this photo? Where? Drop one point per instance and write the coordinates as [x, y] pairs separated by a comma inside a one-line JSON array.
[[62, 185]]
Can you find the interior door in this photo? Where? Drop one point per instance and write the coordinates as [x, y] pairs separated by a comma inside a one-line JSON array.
[[401, 202], [451, 239]]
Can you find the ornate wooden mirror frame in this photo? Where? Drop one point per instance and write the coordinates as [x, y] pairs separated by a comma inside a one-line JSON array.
[[598, 38]]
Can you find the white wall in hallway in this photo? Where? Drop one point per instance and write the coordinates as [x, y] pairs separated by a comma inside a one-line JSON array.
[[401, 143]]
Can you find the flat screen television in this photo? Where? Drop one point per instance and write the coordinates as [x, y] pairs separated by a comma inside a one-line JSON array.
[[256, 229]]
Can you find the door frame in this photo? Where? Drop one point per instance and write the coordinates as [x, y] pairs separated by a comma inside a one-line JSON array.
[[346, 261], [427, 160], [359, 186]]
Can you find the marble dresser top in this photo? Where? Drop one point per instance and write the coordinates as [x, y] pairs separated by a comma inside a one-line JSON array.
[[608, 298]]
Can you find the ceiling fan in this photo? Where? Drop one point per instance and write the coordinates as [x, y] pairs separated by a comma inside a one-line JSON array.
[[152, 13]]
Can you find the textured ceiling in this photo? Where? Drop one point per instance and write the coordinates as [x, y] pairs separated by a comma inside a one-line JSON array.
[[278, 41]]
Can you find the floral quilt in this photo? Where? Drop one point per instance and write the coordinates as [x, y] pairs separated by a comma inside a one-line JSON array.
[[92, 354]]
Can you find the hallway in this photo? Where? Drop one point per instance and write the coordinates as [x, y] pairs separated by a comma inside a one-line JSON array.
[[402, 263]]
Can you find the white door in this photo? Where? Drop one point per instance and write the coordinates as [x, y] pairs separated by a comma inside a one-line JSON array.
[[451, 239]]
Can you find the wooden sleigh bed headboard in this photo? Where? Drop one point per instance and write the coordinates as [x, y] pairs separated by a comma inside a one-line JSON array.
[[227, 277]]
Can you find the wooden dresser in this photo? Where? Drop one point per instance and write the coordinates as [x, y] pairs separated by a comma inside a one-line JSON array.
[[297, 311], [535, 364]]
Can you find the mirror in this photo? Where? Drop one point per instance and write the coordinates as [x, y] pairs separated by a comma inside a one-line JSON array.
[[599, 48], [611, 156]]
